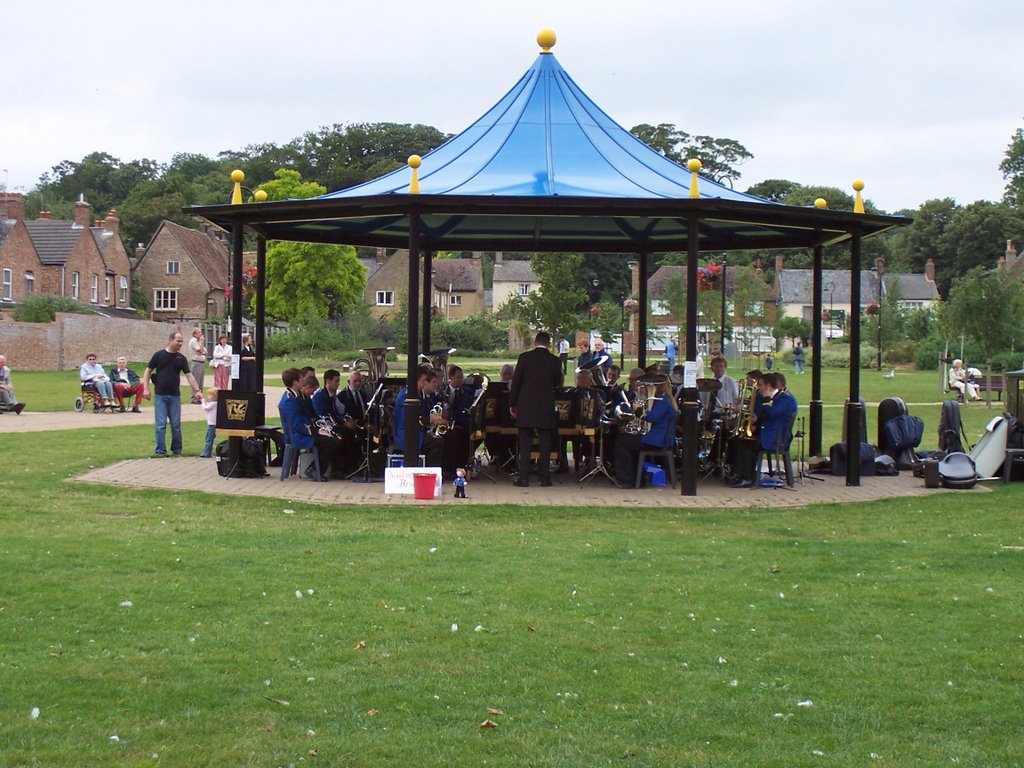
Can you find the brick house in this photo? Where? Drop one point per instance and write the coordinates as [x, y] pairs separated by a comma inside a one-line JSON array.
[[184, 273], [63, 258], [457, 285]]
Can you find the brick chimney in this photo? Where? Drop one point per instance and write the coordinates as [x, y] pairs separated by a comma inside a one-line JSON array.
[[1011, 253], [929, 270], [778, 263], [45, 215], [112, 223], [498, 256], [83, 212], [12, 205]]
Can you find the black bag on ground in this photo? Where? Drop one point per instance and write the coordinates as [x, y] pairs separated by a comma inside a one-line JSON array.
[[957, 471], [904, 432], [250, 464], [885, 465], [837, 459], [950, 428]]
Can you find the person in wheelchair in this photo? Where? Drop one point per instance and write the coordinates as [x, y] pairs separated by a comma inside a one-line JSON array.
[[8, 402], [126, 381], [92, 373]]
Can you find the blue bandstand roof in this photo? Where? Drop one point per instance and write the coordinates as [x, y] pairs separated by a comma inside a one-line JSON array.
[[546, 169]]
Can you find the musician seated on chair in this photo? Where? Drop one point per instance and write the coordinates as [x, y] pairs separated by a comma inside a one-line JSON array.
[[303, 431], [772, 419], [660, 412], [723, 401], [457, 398], [431, 419], [331, 411]]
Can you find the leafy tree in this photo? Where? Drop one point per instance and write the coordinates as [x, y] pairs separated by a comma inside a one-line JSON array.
[[775, 190], [719, 157], [792, 328], [1012, 167], [987, 307], [288, 185], [552, 307], [310, 279], [976, 236], [915, 244], [104, 180]]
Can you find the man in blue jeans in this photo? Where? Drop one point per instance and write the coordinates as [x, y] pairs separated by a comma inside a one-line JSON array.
[[165, 368]]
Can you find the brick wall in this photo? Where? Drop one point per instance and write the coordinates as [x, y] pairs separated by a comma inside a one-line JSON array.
[[64, 343]]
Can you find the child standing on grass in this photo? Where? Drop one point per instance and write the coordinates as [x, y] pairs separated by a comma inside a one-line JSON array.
[[210, 406]]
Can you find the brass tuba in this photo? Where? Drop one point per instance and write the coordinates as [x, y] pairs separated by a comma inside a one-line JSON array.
[[438, 360], [375, 365], [635, 421], [745, 413]]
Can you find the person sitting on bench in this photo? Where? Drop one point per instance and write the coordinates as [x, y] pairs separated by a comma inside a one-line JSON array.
[[960, 383]]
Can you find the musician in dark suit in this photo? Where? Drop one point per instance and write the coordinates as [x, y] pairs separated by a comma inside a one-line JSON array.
[[532, 405], [772, 416], [456, 399], [430, 444], [662, 416], [352, 398]]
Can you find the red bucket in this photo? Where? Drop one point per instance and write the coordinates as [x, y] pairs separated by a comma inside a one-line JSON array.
[[423, 485]]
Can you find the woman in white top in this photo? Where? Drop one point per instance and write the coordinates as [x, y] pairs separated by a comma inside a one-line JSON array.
[[222, 363], [958, 381]]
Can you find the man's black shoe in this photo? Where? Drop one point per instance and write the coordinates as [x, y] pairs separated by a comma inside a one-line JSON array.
[[546, 483], [136, 409], [19, 407], [521, 484]]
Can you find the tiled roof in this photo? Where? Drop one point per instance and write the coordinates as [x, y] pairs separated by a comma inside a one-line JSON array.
[[53, 239], [656, 285], [795, 286], [371, 265], [517, 271], [209, 254], [461, 274]]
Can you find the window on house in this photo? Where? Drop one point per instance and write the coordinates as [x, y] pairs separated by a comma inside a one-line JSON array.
[[165, 299], [455, 300], [95, 288], [8, 284], [106, 289], [30, 283], [123, 289], [524, 289], [75, 285], [385, 298], [173, 267]]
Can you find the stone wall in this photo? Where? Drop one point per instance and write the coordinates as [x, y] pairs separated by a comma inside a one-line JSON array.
[[63, 344]]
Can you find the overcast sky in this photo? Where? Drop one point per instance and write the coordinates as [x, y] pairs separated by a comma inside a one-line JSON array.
[[919, 99]]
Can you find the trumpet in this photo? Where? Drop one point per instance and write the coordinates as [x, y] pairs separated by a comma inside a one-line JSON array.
[[440, 429]]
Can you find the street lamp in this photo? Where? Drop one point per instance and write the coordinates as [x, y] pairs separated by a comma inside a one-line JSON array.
[[724, 267], [878, 272], [830, 287]]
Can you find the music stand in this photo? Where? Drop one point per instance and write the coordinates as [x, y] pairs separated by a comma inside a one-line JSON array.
[[364, 466], [599, 467], [802, 473]]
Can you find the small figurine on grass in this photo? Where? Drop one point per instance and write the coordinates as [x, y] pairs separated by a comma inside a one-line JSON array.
[[460, 483]]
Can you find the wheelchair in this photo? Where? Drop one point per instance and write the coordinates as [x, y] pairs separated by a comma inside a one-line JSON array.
[[90, 396]]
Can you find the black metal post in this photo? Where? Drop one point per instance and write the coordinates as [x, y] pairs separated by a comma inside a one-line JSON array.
[[237, 245], [725, 267], [691, 401], [428, 303], [622, 331], [853, 407], [411, 445], [641, 316], [814, 407]]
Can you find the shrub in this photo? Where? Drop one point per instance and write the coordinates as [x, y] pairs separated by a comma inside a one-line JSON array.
[[474, 335], [44, 309]]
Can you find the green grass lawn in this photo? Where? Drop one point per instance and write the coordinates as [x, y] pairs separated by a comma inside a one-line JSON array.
[[218, 630]]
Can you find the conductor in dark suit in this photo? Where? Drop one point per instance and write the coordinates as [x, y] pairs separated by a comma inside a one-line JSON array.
[[532, 405]]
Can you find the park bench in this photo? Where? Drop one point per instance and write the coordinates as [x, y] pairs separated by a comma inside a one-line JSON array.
[[998, 384]]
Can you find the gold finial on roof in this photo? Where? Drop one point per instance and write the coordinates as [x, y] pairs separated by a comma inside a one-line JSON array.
[[693, 165], [414, 162], [546, 39], [236, 193], [820, 203], [858, 201]]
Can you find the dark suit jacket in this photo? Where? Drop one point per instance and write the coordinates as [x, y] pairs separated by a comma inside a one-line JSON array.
[[532, 394], [352, 408]]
